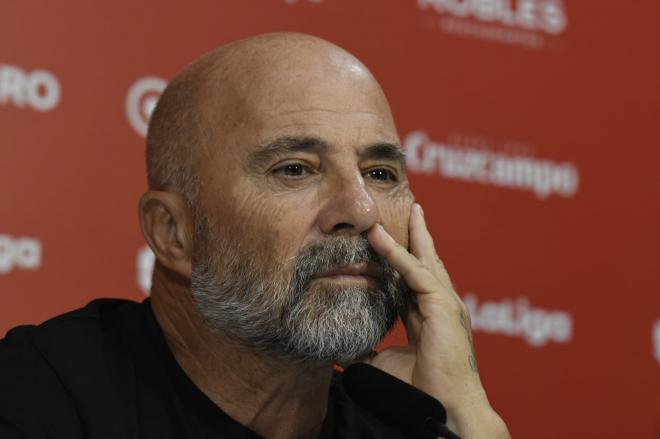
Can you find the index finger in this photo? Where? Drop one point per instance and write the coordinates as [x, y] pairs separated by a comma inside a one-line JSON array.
[[414, 272]]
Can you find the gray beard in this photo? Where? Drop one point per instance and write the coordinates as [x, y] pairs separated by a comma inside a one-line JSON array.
[[294, 318]]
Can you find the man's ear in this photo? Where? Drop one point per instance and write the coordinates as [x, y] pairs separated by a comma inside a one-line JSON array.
[[167, 226]]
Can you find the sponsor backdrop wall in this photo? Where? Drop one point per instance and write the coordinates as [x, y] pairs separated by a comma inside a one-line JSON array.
[[532, 133]]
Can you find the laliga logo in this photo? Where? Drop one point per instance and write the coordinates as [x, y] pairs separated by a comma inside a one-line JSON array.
[[545, 15], [141, 100], [145, 268], [23, 253], [519, 319], [38, 89]]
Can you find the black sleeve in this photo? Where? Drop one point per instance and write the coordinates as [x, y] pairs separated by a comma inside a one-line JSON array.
[[10, 431], [33, 403]]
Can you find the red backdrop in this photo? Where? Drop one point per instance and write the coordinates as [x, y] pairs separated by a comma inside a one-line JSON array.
[[534, 142]]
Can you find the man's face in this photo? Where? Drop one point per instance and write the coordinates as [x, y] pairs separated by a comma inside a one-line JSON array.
[[300, 175]]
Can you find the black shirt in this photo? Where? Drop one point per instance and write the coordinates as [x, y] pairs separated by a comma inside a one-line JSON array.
[[105, 371]]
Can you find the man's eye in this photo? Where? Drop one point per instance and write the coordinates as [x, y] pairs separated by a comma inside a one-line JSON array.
[[292, 170], [381, 174]]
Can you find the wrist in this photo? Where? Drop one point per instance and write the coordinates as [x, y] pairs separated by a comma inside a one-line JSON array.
[[477, 421]]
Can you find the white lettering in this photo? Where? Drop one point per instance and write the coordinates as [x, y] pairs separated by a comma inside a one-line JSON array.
[[24, 253], [11, 85], [40, 89], [460, 8], [536, 15], [483, 166], [656, 340], [42, 80], [6, 254], [553, 19], [488, 10], [526, 14], [519, 319]]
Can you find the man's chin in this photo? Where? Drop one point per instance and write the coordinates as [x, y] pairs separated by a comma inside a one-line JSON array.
[[351, 341]]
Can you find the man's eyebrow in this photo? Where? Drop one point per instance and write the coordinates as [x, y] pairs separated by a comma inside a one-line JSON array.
[[266, 152], [385, 151]]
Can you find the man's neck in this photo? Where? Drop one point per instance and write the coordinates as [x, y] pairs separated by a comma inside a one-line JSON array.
[[275, 399]]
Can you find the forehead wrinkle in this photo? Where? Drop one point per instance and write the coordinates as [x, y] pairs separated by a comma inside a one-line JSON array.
[[281, 145], [238, 82], [279, 112], [295, 143]]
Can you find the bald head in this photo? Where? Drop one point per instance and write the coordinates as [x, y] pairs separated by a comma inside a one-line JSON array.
[[239, 85]]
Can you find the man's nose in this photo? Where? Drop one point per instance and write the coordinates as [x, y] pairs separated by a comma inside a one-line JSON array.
[[349, 207]]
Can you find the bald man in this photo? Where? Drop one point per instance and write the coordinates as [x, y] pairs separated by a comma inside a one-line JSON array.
[[287, 241]]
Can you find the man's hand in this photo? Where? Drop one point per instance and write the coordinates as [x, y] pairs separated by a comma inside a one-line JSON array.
[[439, 359]]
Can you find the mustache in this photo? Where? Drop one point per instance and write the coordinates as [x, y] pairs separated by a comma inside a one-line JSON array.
[[336, 252]]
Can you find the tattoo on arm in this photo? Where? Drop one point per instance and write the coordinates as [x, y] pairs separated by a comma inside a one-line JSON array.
[[472, 359]]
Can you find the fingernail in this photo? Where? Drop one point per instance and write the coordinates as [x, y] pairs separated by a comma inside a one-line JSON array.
[[421, 211]]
